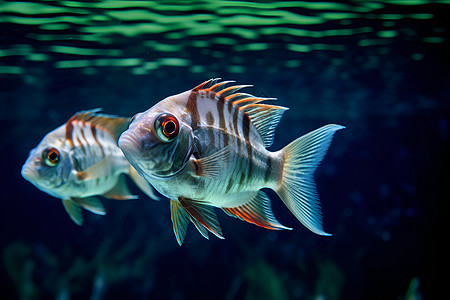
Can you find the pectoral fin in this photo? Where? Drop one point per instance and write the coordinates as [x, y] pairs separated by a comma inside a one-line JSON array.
[[204, 214], [73, 208], [210, 166], [91, 204], [256, 211], [74, 211], [142, 184], [120, 191], [102, 168]]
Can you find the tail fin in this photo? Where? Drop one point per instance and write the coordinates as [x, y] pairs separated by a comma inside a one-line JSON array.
[[297, 188], [142, 184]]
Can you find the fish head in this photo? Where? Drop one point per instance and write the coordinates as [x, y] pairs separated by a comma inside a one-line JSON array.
[[48, 166], [157, 143]]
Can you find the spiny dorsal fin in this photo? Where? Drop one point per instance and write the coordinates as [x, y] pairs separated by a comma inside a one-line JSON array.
[[265, 117], [206, 84], [257, 211], [112, 124]]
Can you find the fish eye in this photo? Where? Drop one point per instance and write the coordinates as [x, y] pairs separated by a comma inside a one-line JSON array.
[[166, 127], [51, 156]]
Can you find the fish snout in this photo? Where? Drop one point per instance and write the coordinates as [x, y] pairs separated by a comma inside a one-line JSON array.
[[29, 173], [128, 141], [131, 144]]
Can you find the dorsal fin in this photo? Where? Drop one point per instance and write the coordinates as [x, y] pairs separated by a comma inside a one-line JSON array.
[[114, 125], [265, 117]]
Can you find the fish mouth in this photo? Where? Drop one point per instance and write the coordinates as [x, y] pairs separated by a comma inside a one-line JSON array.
[[136, 153], [130, 143], [145, 156], [29, 173], [134, 148]]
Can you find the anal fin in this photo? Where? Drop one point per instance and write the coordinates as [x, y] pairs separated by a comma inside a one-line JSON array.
[[257, 211], [202, 229]]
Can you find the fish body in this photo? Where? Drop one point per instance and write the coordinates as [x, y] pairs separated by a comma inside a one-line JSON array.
[[81, 159], [206, 148]]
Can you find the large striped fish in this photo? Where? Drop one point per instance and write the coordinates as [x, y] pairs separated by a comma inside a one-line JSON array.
[[206, 148], [81, 159]]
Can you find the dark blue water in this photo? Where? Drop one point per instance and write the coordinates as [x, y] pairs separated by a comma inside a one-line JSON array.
[[383, 184]]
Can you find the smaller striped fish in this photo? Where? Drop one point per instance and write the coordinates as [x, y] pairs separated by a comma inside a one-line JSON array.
[[81, 159], [206, 148]]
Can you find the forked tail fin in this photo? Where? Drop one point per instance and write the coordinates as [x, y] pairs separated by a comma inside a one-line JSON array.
[[297, 188]]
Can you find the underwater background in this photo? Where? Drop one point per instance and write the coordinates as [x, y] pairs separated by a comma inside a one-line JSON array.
[[381, 68]]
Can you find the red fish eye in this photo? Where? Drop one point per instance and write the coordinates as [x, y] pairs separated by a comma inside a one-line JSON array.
[[51, 156], [167, 127]]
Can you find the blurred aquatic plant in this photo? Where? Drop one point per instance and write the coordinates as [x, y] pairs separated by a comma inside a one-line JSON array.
[[119, 258], [413, 290], [330, 281], [20, 268], [37, 272], [288, 270], [264, 282]]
